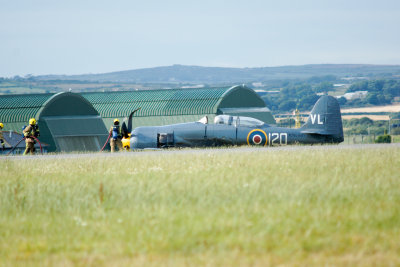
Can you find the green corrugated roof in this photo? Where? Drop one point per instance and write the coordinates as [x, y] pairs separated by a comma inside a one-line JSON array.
[[19, 108], [166, 102], [23, 101]]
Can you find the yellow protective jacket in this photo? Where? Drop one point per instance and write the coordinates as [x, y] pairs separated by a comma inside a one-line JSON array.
[[29, 133]]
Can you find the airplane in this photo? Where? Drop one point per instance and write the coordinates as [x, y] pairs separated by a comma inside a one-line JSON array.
[[324, 125]]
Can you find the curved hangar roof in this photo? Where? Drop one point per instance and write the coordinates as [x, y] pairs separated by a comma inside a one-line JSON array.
[[166, 106], [67, 121]]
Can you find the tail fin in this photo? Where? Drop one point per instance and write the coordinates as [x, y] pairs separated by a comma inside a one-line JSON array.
[[325, 119]]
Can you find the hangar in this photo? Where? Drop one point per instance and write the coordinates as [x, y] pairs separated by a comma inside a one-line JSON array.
[[67, 121], [168, 106], [79, 122]]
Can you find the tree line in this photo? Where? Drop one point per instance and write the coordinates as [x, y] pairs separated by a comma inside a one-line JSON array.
[[303, 94], [380, 92]]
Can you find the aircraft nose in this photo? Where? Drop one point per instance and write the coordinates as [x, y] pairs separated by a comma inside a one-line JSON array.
[[144, 137], [134, 140]]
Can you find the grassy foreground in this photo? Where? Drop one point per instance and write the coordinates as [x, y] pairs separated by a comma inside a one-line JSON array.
[[305, 207]]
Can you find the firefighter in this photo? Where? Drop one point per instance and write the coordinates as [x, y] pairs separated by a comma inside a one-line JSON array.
[[1, 136], [30, 133], [116, 136]]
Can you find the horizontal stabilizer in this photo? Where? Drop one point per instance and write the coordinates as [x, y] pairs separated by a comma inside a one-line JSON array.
[[316, 131]]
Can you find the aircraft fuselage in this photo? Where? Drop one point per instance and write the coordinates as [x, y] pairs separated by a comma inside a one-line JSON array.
[[196, 134]]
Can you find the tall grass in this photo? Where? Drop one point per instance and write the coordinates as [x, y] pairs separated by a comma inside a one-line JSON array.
[[305, 207]]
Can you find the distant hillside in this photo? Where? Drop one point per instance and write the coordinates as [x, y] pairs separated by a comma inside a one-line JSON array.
[[215, 75]]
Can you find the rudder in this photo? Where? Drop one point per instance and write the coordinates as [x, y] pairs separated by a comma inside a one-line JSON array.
[[325, 119]]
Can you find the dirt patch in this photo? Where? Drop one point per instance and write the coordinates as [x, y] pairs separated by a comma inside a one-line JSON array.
[[372, 117], [389, 108]]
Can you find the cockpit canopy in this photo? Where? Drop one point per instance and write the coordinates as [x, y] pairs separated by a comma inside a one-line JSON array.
[[237, 120]]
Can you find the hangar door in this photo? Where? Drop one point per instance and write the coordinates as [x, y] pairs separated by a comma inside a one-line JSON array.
[[68, 122], [76, 133]]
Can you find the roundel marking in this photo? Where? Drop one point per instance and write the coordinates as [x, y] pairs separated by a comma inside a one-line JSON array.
[[257, 137]]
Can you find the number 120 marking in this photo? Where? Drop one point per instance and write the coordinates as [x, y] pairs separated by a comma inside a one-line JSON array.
[[277, 139]]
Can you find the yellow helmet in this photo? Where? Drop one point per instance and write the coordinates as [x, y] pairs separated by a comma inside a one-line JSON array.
[[32, 121], [1, 125], [116, 121]]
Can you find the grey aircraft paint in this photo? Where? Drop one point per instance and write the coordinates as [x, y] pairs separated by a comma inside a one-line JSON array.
[[324, 125]]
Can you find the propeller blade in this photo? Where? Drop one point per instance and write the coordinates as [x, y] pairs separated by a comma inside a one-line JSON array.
[[130, 119]]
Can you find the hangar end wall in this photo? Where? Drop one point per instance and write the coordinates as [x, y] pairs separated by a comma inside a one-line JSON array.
[[68, 122]]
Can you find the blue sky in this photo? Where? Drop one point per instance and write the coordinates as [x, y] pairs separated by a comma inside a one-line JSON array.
[[93, 36]]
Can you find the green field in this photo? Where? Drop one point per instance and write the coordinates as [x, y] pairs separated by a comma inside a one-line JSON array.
[[295, 207]]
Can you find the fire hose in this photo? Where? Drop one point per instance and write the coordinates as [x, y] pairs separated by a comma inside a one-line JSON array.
[[12, 149], [108, 138], [40, 145]]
